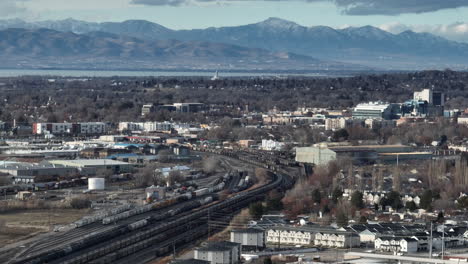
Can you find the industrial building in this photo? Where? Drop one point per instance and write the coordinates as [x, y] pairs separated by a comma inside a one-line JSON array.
[[98, 164], [322, 154], [88, 128], [219, 253], [24, 172], [251, 239], [189, 261], [319, 155]]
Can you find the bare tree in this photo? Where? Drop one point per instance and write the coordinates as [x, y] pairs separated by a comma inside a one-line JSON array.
[[175, 177], [210, 165]]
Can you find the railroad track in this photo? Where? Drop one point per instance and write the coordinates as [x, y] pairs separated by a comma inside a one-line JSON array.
[[125, 244], [129, 243], [69, 237]]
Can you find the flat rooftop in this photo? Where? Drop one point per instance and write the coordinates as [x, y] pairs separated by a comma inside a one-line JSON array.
[[90, 162]]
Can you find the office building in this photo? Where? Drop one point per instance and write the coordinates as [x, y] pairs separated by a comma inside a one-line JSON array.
[[376, 110]]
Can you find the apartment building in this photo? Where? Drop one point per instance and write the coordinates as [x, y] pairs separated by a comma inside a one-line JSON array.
[[337, 239], [145, 126], [289, 236], [85, 128]]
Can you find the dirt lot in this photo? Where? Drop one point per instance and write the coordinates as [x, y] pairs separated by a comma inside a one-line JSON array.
[[16, 226]]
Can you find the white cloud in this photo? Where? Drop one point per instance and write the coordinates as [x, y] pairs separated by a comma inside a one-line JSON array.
[[12, 8], [457, 31]]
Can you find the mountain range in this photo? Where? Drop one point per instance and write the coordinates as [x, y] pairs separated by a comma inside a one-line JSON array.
[[271, 40], [46, 48]]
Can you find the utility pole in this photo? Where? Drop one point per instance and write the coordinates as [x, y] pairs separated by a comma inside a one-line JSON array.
[[443, 241], [279, 239], [430, 243], [209, 227]]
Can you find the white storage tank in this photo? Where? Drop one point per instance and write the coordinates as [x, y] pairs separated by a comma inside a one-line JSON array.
[[96, 184]]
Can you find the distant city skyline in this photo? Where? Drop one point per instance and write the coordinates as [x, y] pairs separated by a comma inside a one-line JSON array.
[[445, 18]]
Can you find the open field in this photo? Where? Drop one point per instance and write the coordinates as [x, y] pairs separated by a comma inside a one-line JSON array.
[[16, 226]]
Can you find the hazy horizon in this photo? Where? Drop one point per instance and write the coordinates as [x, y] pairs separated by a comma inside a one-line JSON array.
[[442, 18]]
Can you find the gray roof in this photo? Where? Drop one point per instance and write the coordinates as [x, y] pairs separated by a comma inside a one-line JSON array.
[[312, 229], [218, 246], [247, 230], [189, 261], [91, 162]]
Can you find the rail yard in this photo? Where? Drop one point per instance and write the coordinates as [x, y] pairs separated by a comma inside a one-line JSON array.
[[146, 232]]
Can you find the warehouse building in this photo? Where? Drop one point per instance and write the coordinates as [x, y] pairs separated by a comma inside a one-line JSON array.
[[249, 238], [98, 164], [189, 261], [322, 154], [219, 253], [319, 155], [24, 172]]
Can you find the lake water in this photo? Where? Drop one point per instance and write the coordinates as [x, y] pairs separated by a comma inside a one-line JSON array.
[[90, 73]]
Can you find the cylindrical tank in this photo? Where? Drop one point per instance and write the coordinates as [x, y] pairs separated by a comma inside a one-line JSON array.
[[96, 184]]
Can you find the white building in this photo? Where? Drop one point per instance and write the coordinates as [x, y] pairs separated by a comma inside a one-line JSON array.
[[335, 123], [219, 253], [268, 144], [393, 244], [130, 126], [311, 236], [157, 126], [424, 95], [145, 126], [184, 170], [319, 155], [98, 164], [373, 110], [408, 245], [337, 239], [371, 198], [462, 120], [289, 236], [367, 236], [69, 128], [409, 198]]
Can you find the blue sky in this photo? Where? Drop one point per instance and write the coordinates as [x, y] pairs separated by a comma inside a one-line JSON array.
[[443, 17]]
